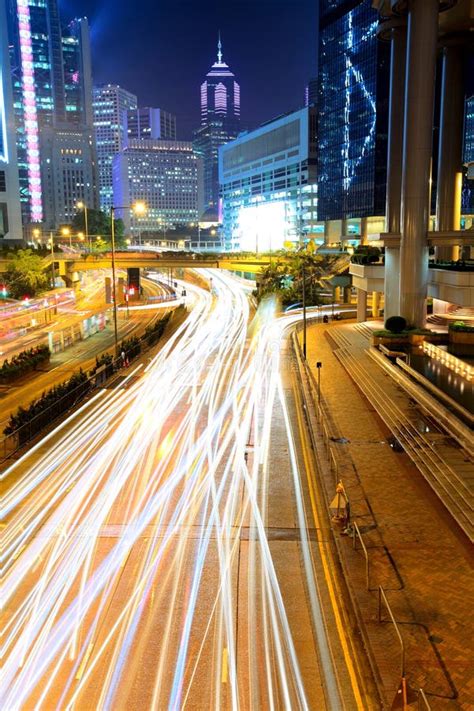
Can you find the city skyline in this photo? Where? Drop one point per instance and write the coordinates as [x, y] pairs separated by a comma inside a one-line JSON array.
[[252, 38]]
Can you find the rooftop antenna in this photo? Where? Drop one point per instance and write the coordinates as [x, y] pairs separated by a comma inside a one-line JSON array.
[[219, 49]]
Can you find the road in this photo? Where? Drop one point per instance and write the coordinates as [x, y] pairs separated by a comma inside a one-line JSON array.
[[163, 548], [81, 355]]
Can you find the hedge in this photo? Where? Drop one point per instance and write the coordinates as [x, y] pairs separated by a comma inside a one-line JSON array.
[[461, 326], [24, 362]]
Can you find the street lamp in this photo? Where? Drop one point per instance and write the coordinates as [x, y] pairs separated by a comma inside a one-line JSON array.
[[140, 208], [81, 205], [37, 235], [51, 243]]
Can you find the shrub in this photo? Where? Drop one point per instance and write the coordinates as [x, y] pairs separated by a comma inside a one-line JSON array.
[[154, 332], [24, 362], [396, 324], [461, 326]]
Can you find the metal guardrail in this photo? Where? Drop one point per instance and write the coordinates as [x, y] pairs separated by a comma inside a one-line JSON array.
[[357, 535], [383, 597], [423, 701]]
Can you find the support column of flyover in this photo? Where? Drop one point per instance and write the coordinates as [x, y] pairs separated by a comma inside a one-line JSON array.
[[417, 148], [449, 186], [397, 32]]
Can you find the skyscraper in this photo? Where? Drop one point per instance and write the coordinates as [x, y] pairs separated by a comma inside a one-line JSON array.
[[51, 86], [10, 217], [220, 123], [111, 102], [353, 111], [150, 123], [166, 175]]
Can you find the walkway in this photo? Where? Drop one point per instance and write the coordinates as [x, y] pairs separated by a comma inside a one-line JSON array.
[[416, 552]]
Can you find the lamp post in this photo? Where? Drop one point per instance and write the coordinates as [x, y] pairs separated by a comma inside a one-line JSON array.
[[139, 207], [36, 235], [319, 365], [82, 206], [51, 241], [303, 272]]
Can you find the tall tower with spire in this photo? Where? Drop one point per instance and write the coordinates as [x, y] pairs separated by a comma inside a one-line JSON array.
[[220, 123], [220, 93]]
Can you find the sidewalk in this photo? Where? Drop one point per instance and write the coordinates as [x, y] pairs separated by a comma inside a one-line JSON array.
[[416, 552]]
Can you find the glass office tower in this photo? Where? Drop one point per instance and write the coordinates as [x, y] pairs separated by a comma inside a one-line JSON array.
[[353, 111]]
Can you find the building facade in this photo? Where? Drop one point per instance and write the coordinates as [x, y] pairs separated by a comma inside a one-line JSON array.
[[268, 184], [110, 104], [68, 172], [10, 214], [51, 86], [166, 176], [150, 123], [220, 123], [353, 111]]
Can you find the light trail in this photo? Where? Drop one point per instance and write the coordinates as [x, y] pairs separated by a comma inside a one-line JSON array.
[[151, 479]]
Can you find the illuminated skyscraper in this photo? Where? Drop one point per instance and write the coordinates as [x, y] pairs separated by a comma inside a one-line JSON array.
[[111, 103], [220, 123], [51, 86], [353, 111], [150, 123], [10, 217]]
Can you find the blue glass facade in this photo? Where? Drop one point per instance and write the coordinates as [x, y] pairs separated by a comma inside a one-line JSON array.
[[467, 207], [353, 111]]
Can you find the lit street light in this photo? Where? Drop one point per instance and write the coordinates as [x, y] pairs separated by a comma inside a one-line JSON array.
[[81, 205]]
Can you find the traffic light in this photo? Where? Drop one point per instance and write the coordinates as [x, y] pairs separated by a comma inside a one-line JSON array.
[[3, 291]]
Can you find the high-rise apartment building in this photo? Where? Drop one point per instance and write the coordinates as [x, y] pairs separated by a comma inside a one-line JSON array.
[[220, 123], [111, 103], [166, 176], [10, 215], [150, 123], [51, 73]]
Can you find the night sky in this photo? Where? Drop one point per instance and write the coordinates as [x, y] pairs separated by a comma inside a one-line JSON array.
[[162, 49]]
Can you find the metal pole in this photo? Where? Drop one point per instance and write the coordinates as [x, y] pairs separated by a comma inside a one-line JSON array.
[[86, 225], [319, 387], [304, 311], [52, 258], [114, 295]]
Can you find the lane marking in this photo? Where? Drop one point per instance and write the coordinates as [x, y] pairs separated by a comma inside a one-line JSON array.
[[325, 564], [80, 671], [225, 665]]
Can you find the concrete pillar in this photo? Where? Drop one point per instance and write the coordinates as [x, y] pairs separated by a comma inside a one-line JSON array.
[[361, 305], [326, 232], [344, 228], [347, 294], [363, 230], [448, 199], [375, 304], [394, 165], [392, 283], [337, 294], [417, 141]]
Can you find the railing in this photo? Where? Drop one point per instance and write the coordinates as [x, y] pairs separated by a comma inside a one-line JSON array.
[[423, 701], [383, 597], [357, 535]]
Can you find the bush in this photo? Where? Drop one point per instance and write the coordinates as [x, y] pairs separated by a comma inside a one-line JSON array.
[[24, 362], [461, 326], [38, 413], [396, 324], [105, 359], [154, 332], [131, 346]]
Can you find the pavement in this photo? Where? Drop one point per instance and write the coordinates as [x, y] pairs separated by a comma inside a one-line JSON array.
[[416, 552]]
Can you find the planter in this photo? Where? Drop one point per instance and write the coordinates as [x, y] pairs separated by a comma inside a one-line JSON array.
[[388, 341], [466, 337], [417, 339]]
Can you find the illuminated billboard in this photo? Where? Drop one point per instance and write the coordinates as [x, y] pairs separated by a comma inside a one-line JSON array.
[[262, 227]]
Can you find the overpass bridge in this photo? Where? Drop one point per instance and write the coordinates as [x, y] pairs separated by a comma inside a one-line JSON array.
[[69, 267]]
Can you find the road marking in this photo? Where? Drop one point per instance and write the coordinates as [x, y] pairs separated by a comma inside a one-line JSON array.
[[80, 671], [325, 563], [225, 665]]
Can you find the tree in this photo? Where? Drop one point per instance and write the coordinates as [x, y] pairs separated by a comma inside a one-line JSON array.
[[25, 274], [100, 223]]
